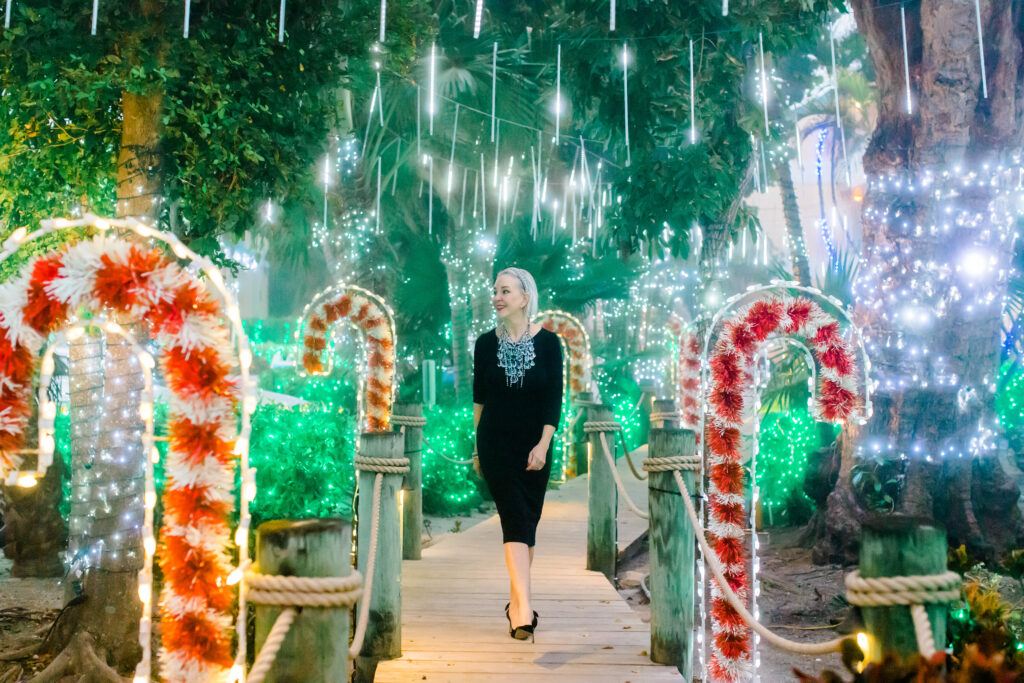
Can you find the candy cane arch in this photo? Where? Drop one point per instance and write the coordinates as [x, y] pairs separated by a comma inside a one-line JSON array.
[[107, 275], [570, 329], [687, 372], [374, 319], [740, 330]]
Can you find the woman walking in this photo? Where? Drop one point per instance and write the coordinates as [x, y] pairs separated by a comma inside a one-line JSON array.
[[517, 403]]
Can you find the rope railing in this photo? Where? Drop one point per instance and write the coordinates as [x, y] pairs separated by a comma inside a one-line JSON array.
[[408, 421], [669, 416], [601, 428], [293, 593], [914, 591]]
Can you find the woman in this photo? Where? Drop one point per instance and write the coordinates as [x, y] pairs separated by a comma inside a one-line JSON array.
[[517, 403]]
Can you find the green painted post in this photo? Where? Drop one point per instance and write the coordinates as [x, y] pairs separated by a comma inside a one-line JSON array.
[[603, 500], [578, 445], [672, 555], [901, 546], [384, 632], [412, 489], [311, 548]]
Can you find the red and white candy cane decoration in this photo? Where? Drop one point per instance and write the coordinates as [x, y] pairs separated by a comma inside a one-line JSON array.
[[687, 373], [740, 331], [569, 328], [111, 276], [373, 318]]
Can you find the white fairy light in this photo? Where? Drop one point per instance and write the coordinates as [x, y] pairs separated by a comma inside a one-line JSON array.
[[188, 14], [7, 15], [451, 158], [377, 211], [558, 94], [430, 199], [478, 18], [431, 102], [906, 57], [280, 22], [611, 15], [981, 50], [693, 100], [494, 90], [625, 98], [764, 81], [95, 14], [383, 18]]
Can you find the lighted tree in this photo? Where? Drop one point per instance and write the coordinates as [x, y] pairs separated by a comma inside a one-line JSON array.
[[194, 134], [938, 234]]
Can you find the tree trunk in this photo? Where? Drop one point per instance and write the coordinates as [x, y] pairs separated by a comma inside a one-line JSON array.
[[794, 230], [34, 534], [930, 292], [462, 313], [107, 458]]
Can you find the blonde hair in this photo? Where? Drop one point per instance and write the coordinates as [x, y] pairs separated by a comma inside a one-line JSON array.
[[527, 285]]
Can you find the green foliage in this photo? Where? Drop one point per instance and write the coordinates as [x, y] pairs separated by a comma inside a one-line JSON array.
[[986, 618], [786, 439], [303, 461], [449, 487], [244, 117], [878, 482]]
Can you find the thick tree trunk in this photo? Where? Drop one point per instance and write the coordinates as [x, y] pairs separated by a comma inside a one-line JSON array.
[[462, 313], [932, 318]]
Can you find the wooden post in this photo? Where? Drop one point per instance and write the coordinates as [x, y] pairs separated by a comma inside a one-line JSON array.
[[412, 489], [384, 633], [900, 546], [665, 405], [578, 445], [312, 548], [603, 497], [672, 555]]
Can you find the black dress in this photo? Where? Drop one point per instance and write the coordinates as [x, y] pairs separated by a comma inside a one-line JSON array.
[[511, 425]]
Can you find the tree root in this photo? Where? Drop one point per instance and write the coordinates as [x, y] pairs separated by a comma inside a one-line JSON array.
[[79, 657]]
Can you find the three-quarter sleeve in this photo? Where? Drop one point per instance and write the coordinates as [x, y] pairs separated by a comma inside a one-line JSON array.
[[555, 381], [479, 382]]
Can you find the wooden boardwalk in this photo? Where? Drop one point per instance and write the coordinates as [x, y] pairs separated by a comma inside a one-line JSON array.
[[453, 622]]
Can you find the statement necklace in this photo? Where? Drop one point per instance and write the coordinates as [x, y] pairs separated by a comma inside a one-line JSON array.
[[515, 356]]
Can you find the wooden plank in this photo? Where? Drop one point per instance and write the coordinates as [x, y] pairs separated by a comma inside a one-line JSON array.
[[453, 625]]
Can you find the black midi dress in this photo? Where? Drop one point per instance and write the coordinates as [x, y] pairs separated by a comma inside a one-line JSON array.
[[511, 425]]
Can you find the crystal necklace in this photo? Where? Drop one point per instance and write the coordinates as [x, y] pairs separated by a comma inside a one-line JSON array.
[[515, 356]]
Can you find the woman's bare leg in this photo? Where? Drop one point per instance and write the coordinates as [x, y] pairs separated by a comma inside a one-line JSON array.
[[517, 558]]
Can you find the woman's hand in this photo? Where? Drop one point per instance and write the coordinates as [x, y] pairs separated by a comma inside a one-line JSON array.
[[476, 466], [538, 457]]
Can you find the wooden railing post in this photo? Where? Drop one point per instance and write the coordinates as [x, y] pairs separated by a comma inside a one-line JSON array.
[[384, 632], [603, 499], [412, 488], [671, 555], [307, 548], [578, 443], [901, 546], [663, 406]]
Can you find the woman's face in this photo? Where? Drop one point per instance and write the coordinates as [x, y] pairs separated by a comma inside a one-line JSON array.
[[509, 298]]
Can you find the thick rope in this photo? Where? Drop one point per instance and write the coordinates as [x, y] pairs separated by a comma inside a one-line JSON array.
[[408, 420], [914, 591], [292, 592], [596, 426], [618, 480], [364, 603], [268, 653], [716, 568], [437, 452], [672, 463], [665, 417], [382, 465]]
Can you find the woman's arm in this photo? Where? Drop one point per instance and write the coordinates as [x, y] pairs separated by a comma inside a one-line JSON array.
[[477, 409]]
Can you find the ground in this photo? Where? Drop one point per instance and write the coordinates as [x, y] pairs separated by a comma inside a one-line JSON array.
[[799, 600]]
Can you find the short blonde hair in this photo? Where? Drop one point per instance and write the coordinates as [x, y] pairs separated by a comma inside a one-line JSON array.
[[528, 286]]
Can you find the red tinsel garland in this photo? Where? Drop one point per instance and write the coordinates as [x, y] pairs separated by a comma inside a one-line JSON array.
[[729, 395]]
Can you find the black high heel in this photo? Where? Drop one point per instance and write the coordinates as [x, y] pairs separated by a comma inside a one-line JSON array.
[[526, 631]]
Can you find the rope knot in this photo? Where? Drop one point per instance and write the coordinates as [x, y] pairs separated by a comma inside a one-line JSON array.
[[385, 465]]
